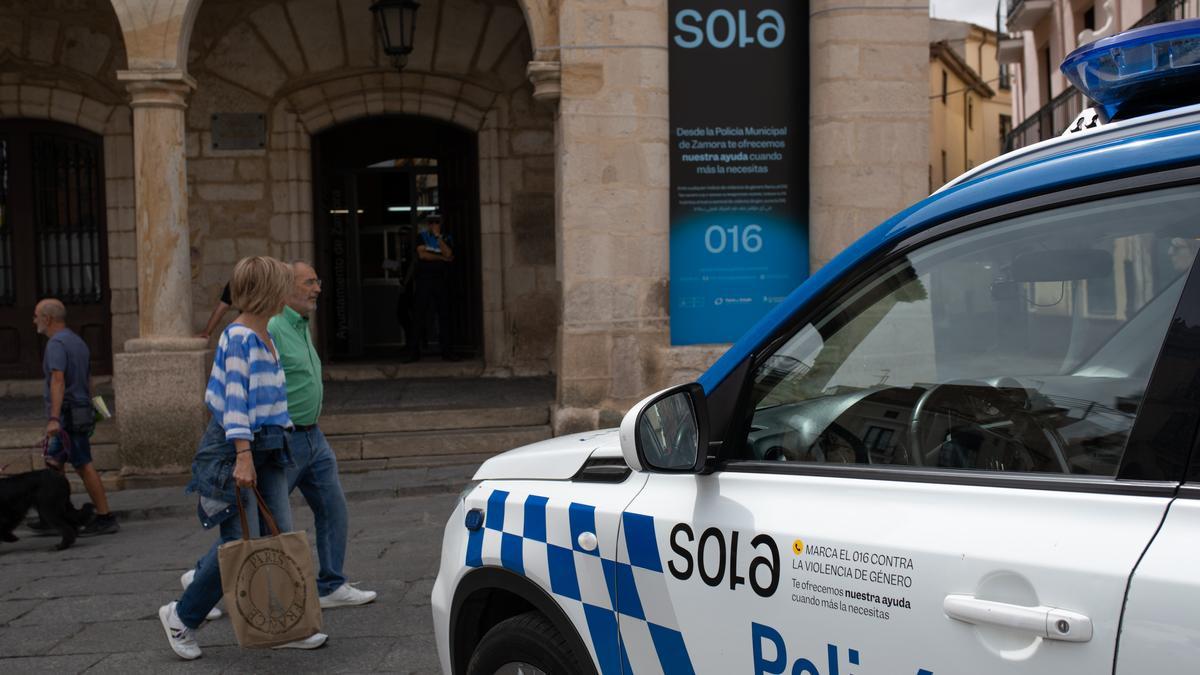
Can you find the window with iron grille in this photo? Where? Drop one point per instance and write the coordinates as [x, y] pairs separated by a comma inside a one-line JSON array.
[[67, 219], [8, 294]]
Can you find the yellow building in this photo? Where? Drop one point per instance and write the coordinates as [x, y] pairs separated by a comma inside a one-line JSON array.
[[970, 99]]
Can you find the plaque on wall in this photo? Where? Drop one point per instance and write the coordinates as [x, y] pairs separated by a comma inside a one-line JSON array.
[[239, 131]]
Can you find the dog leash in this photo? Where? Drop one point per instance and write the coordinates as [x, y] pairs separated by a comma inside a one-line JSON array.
[[65, 439]]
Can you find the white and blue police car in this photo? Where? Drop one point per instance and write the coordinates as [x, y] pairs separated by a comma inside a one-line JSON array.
[[967, 445]]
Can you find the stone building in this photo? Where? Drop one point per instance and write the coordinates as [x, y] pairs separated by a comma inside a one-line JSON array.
[[149, 144]]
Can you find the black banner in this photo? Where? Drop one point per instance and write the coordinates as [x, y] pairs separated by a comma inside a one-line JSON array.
[[739, 162]]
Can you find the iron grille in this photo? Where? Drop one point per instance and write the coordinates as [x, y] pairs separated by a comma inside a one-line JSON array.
[[1170, 10], [8, 293], [67, 203], [1049, 121]]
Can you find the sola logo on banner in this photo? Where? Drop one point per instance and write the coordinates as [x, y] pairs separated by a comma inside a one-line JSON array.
[[722, 29]]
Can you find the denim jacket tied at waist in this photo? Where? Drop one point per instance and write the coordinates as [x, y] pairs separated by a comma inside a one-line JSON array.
[[212, 468]]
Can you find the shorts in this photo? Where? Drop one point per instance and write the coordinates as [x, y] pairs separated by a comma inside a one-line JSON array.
[[80, 452]]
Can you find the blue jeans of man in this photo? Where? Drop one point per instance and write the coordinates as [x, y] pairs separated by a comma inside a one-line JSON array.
[[315, 473], [205, 590]]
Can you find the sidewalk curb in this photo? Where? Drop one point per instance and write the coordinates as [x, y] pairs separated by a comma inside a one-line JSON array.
[[189, 508]]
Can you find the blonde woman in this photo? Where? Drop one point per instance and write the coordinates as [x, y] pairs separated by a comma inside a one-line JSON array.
[[245, 444]]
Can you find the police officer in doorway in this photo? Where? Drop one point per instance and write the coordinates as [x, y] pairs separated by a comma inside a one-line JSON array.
[[435, 255]]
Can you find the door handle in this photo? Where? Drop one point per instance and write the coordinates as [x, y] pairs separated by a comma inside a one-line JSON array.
[[1051, 623]]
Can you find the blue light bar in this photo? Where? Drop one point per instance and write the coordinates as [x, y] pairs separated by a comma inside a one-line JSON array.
[[1140, 71]]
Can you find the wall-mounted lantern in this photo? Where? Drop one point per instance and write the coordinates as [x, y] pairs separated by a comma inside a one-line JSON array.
[[397, 21]]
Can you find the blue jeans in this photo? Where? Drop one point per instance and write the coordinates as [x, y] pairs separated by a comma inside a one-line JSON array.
[[315, 472], [205, 590]]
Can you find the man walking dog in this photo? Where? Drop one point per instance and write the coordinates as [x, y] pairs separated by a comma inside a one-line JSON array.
[[69, 408], [315, 471]]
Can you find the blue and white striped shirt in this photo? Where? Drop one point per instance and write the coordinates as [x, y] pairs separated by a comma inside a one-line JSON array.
[[246, 389]]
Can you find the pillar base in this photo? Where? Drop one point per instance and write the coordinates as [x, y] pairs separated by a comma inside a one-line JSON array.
[[160, 408]]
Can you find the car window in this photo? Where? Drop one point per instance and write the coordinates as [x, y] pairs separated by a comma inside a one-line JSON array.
[[1024, 345]]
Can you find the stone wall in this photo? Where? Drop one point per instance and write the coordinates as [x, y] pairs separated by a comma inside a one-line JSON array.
[[58, 61], [613, 209], [283, 60], [869, 120]]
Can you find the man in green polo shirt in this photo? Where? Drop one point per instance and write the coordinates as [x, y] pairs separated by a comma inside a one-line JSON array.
[[315, 471]]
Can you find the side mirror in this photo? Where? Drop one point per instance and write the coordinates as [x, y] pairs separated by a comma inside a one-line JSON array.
[[667, 432]]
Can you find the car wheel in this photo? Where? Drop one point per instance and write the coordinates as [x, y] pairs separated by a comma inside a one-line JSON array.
[[526, 644]]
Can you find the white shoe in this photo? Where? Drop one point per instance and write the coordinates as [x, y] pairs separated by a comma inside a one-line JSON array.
[[346, 596], [182, 638], [185, 581], [311, 642]]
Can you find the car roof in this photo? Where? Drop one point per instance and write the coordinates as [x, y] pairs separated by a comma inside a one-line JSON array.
[[1136, 146], [1072, 141]]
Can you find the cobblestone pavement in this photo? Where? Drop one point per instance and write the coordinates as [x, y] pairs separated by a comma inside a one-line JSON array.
[[93, 608]]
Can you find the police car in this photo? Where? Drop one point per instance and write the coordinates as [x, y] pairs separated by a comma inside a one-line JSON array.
[[966, 445]]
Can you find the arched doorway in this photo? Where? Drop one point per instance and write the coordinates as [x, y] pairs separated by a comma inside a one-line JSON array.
[[53, 240], [376, 181]]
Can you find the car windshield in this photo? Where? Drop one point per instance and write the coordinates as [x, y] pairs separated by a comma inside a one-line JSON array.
[[1023, 345]]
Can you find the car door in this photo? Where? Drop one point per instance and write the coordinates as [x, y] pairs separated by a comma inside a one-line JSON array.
[[949, 463], [1160, 627]]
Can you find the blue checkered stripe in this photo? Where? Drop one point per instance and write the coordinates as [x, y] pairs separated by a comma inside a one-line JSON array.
[[538, 539]]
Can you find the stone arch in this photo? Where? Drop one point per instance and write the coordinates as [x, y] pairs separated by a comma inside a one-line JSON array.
[[541, 19], [426, 95], [278, 57], [156, 32], [307, 111]]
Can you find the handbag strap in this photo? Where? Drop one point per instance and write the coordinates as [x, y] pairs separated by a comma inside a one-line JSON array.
[[262, 510]]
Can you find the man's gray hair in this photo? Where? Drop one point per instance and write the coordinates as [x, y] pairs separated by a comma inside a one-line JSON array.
[[53, 309]]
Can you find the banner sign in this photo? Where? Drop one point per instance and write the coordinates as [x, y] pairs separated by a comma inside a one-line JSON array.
[[739, 162]]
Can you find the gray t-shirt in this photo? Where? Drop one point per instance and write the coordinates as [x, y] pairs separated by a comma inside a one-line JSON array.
[[67, 352]]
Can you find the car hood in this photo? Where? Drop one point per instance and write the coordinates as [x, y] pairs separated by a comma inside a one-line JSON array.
[[553, 459]]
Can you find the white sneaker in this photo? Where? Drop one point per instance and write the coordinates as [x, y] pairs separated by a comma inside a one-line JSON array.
[[311, 642], [346, 596], [182, 638], [185, 581]]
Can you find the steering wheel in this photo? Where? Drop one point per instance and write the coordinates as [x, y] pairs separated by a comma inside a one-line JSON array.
[[963, 399]]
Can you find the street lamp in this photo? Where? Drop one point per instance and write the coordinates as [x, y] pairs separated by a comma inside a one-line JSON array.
[[397, 20]]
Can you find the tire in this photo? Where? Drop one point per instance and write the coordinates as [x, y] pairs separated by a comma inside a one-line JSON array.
[[529, 639]]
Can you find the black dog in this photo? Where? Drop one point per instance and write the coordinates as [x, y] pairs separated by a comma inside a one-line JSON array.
[[50, 492]]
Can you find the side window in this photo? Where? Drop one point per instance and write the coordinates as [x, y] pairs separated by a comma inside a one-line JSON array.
[[1024, 345]]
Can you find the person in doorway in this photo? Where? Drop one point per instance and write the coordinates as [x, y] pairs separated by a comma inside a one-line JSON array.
[[69, 413], [224, 304], [244, 446], [435, 255]]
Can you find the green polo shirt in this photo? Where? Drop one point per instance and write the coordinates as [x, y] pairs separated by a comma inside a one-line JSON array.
[[301, 365]]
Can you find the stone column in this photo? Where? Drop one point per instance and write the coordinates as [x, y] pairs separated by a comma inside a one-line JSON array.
[[160, 379], [869, 124], [612, 220]]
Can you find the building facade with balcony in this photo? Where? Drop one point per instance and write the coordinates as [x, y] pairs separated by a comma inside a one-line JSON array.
[[1041, 33], [970, 99]]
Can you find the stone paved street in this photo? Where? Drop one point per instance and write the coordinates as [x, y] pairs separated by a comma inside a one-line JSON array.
[[93, 608]]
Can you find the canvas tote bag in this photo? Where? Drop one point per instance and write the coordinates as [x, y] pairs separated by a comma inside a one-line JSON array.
[[269, 585]]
